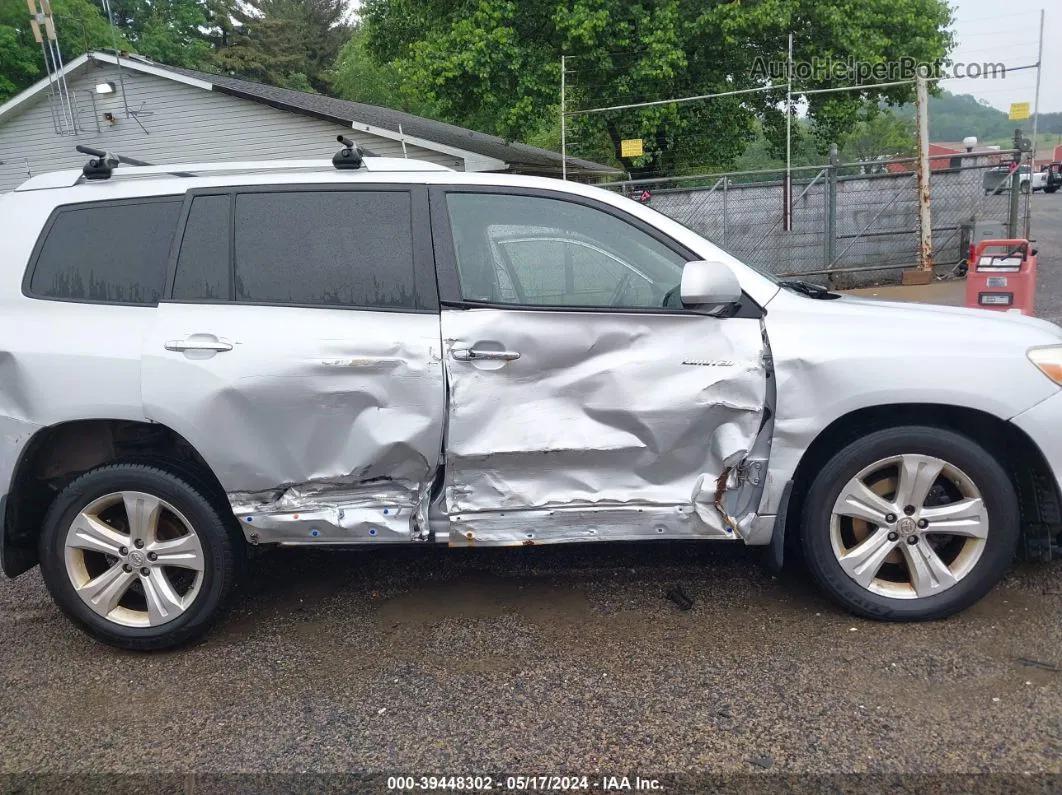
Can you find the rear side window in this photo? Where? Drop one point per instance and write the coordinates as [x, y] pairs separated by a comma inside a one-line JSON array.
[[203, 265], [111, 253], [328, 248]]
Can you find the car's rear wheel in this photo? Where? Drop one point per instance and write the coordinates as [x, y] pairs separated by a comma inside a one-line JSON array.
[[910, 524], [137, 557]]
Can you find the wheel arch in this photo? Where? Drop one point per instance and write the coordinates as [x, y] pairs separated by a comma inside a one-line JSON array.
[[1039, 499], [56, 454]]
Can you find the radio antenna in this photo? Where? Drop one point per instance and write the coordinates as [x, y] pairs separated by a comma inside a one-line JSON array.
[[64, 114], [117, 54]]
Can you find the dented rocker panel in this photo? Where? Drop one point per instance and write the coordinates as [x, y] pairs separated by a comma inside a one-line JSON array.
[[329, 514], [625, 522]]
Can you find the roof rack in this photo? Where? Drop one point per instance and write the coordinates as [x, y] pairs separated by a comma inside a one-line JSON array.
[[70, 178], [349, 156], [103, 164]]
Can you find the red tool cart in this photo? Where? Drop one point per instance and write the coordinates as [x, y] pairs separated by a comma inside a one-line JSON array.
[[1002, 276]]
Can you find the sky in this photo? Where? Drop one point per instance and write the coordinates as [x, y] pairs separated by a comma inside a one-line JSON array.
[[1008, 32]]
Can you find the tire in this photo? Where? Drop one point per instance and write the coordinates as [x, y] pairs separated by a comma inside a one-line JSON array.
[[1025, 187], [1051, 190], [107, 561], [830, 533]]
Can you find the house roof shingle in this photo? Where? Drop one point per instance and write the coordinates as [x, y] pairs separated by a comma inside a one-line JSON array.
[[347, 112]]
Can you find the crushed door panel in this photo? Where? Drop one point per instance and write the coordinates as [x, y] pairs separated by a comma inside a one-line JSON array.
[[641, 415]]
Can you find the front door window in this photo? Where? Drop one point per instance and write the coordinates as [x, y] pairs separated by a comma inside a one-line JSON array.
[[542, 252]]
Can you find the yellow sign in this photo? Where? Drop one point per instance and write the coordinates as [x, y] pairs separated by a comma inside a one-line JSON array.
[[1019, 111], [631, 147]]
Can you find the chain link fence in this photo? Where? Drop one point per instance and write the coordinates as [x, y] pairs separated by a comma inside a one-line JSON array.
[[851, 222]]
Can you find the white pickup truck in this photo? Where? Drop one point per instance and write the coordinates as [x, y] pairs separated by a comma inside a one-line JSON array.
[[1038, 179], [997, 180]]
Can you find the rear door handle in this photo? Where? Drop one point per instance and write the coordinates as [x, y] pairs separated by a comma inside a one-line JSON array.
[[199, 342], [479, 355]]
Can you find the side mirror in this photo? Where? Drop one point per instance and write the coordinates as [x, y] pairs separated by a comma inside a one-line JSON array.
[[709, 284]]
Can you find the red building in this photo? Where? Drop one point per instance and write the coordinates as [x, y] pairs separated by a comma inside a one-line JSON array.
[[1055, 156], [943, 156]]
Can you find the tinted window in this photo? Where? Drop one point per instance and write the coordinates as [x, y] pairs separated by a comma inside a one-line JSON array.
[[537, 251], [115, 253], [203, 263], [331, 248]]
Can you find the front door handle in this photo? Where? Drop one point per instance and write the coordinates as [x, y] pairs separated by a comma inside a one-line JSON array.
[[480, 355], [199, 342]]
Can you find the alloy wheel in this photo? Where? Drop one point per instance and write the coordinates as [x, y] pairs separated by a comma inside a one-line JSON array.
[[909, 526], [134, 559]]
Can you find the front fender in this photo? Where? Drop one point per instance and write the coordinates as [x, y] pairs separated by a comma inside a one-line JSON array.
[[833, 358]]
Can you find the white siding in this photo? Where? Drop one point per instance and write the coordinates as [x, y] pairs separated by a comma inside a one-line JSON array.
[[183, 123]]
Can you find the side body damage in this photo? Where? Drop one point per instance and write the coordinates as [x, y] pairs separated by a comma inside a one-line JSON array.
[[608, 426], [629, 427], [323, 426]]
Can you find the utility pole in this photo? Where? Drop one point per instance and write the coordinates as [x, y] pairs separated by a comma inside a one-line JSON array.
[[1015, 184], [787, 199], [924, 273], [831, 207], [1036, 118], [564, 130]]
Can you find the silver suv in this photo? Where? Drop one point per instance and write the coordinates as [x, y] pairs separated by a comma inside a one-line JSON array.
[[200, 357]]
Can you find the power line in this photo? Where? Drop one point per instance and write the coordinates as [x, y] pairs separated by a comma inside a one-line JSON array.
[[966, 53], [612, 52], [674, 101], [740, 92], [992, 32], [994, 17], [854, 88]]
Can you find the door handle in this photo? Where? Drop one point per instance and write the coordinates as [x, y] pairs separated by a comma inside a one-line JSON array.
[[199, 342], [474, 355]]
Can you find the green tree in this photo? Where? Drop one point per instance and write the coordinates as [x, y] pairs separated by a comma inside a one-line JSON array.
[[495, 65], [286, 43], [80, 26], [174, 32], [879, 136], [19, 64], [761, 154], [359, 77]]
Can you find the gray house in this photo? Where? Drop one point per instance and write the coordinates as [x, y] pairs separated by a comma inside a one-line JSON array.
[[161, 114]]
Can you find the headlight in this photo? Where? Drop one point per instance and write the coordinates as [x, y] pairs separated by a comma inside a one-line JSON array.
[[1049, 360]]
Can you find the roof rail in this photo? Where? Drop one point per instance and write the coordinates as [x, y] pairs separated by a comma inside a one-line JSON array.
[[70, 178], [103, 163]]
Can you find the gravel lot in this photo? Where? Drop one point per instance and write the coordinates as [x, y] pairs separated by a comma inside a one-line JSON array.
[[547, 661]]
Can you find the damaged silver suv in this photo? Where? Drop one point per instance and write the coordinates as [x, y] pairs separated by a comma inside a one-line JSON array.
[[201, 357]]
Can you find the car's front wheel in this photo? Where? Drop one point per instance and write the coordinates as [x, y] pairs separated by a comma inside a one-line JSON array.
[[138, 557], [910, 524]]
